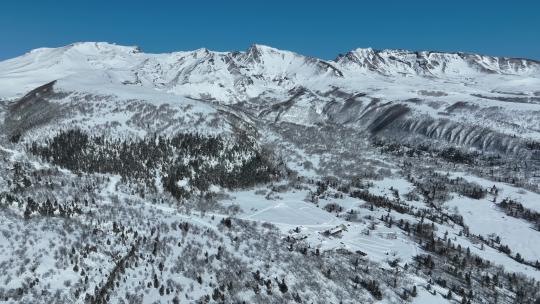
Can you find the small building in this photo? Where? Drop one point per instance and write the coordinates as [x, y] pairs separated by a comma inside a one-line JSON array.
[[336, 231]]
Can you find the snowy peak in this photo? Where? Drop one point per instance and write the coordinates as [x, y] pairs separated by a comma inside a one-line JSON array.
[[76, 56], [256, 53], [426, 63], [281, 63], [239, 76], [94, 48], [82, 50]]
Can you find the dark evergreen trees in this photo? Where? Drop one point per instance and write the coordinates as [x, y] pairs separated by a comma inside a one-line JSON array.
[[199, 160]]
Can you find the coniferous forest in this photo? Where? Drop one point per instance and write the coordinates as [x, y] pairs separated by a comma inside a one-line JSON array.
[[198, 160]]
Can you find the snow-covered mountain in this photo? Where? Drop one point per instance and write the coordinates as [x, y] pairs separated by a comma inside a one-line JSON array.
[[225, 76], [267, 176], [435, 64], [238, 76], [452, 97]]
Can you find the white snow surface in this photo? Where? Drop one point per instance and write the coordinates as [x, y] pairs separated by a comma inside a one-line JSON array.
[[264, 74]]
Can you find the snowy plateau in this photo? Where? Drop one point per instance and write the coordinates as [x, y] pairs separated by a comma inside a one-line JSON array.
[[266, 176]]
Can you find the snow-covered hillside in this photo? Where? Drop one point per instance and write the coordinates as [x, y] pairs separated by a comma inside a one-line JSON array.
[[266, 176], [430, 94]]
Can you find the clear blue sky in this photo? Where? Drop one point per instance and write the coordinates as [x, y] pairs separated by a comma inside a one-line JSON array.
[[316, 28]]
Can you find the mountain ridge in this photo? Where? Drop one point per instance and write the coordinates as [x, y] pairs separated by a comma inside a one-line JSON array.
[[370, 58], [138, 49]]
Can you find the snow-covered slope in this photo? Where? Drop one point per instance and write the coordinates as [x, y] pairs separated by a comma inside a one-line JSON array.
[[498, 94], [266, 176], [222, 76], [236, 76]]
